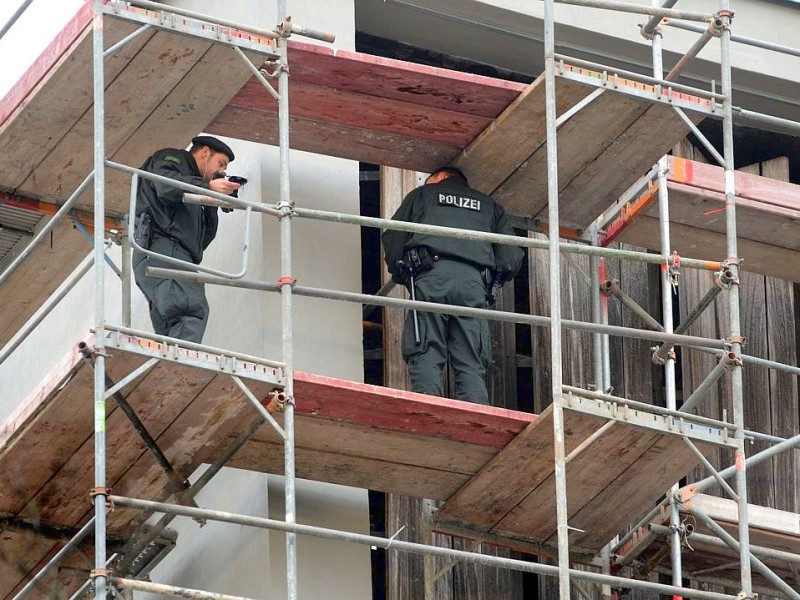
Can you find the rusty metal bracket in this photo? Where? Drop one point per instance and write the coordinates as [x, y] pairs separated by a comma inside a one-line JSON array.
[[278, 401]]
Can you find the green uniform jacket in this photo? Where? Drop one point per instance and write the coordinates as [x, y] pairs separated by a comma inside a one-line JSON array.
[[192, 225], [450, 203]]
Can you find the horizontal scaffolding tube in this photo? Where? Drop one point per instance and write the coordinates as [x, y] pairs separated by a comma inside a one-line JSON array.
[[648, 407], [578, 62], [496, 315], [656, 11], [54, 220], [77, 538], [710, 540], [750, 461], [192, 345], [169, 590], [769, 364], [402, 546], [202, 17], [739, 38], [46, 308], [497, 238], [225, 200]]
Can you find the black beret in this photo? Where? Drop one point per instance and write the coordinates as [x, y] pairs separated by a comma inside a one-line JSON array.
[[214, 144]]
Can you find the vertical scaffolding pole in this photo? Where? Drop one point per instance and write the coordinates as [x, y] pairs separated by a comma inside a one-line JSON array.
[[737, 393], [286, 281], [666, 312], [555, 303], [100, 492]]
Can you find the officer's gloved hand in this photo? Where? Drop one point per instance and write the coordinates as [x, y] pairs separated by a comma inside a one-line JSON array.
[[399, 278]]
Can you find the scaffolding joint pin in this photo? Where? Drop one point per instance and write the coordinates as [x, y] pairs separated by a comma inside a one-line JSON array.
[[725, 278], [731, 359], [610, 287], [278, 401]]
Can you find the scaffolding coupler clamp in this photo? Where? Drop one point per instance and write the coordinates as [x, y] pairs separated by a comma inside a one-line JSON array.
[[660, 357], [94, 573], [89, 352], [724, 278], [673, 270], [101, 491], [735, 339], [282, 281]]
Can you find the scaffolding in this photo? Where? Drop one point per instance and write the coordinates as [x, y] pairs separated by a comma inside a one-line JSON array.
[[275, 379]]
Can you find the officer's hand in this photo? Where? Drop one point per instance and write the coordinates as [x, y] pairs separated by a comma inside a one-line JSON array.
[[223, 186]]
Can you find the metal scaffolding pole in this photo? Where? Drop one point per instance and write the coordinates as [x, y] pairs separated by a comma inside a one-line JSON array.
[[667, 290], [100, 492], [735, 339], [286, 283], [555, 303], [403, 546]]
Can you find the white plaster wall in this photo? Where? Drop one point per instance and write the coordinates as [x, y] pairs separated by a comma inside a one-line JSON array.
[[69, 322]]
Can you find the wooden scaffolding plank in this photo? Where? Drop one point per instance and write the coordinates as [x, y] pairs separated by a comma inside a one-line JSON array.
[[515, 135], [54, 103], [596, 468], [687, 240], [581, 139], [510, 476], [39, 276]]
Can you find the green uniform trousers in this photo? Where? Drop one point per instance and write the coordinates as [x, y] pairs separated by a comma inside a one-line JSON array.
[[178, 308], [464, 341]]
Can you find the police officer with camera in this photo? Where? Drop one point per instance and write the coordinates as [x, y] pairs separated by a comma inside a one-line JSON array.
[[448, 270], [165, 225]]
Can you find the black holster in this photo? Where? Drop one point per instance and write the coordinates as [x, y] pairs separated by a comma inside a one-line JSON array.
[[143, 230]]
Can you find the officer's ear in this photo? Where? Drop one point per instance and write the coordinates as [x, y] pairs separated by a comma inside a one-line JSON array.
[[436, 177]]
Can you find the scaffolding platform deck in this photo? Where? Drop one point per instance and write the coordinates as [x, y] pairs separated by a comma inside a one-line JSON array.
[[467, 455], [767, 211], [704, 556]]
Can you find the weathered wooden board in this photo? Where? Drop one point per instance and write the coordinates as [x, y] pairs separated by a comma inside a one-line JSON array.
[[353, 470], [38, 277], [53, 96], [381, 77], [511, 475], [696, 242], [370, 108], [581, 139], [515, 135]]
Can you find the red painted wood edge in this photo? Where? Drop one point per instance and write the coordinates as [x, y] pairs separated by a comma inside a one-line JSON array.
[[15, 422], [754, 187], [406, 412], [46, 61], [393, 63]]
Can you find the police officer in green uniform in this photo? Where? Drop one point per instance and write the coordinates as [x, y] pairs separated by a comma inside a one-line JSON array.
[[165, 225], [450, 271]]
